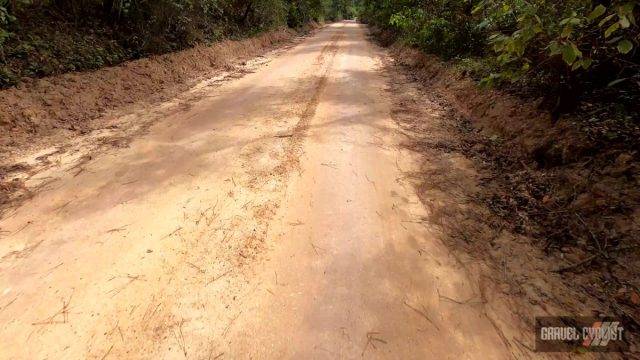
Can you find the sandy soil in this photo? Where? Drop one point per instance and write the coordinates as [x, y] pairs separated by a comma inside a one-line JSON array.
[[46, 121], [274, 216]]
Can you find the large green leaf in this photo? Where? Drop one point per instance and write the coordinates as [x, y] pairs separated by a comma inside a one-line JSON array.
[[624, 22], [611, 29], [605, 20], [597, 12], [625, 46], [570, 53]]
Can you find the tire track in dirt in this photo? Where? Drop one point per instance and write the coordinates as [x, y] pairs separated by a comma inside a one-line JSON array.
[[254, 194], [351, 246]]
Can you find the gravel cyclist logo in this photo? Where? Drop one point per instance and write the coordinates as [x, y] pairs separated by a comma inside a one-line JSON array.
[[579, 334], [601, 332]]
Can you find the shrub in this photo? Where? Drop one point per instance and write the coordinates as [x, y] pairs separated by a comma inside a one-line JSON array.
[[568, 47]]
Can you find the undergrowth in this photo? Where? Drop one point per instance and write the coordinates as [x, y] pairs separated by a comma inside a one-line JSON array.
[[41, 38]]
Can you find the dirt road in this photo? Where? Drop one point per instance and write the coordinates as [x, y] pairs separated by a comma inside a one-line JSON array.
[[271, 218]]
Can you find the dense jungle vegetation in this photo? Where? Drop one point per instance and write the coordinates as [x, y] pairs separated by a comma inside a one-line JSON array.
[[575, 49], [45, 37]]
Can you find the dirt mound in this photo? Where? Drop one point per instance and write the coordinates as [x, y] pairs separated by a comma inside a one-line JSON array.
[[69, 101], [575, 198]]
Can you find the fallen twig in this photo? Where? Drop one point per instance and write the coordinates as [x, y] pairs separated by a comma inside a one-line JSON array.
[[421, 313], [115, 291], [180, 339], [171, 233], [333, 166], [315, 248], [224, 333], [219, 276], [199, 269], [23, 227], [121, 228], [107, 353], [465, 302], [371, 340], [9, 303], [64, 311]]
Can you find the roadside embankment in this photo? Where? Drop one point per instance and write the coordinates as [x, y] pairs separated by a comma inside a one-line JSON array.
[[574, 197]]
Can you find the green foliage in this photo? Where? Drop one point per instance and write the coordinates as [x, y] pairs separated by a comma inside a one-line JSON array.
[[442, 27], [342, 9], [447, 33], [304, 11], [577, 32], [560, 46], [45, 37], [5, 19]]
